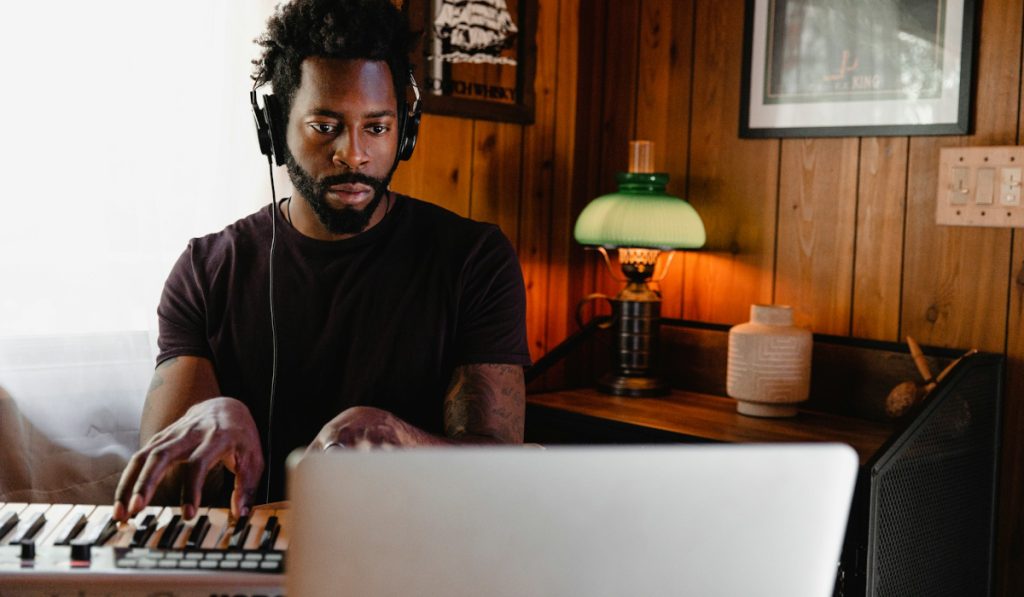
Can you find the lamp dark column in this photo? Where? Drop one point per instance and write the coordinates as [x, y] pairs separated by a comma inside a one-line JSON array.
[[637, 311]]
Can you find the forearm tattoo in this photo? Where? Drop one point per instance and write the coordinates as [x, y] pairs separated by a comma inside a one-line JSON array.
[[486, 402], [158, 380]]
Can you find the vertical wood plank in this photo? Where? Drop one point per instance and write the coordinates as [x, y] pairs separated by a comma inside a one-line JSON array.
[[1009, 549], [591, 18], [817, 217], [879, 255], [663, 108], [559, 302], [497, 169], [619, 99], [587, 168], [955, 281], [439, 170], [733, 182], [538, 150]]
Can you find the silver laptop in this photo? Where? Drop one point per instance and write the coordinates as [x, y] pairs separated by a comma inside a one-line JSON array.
[[736, 520]]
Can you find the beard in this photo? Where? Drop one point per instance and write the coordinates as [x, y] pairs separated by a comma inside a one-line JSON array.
[[347, 220]]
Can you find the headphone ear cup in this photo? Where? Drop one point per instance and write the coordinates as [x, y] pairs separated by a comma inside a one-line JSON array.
[[268, 127], [275, 122], [263, 134], [410, 127]]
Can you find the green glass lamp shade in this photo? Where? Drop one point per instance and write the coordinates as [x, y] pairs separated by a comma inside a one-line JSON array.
[[640, 215]]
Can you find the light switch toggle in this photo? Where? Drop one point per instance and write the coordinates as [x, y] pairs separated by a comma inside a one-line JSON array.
[[1009, 192], [958, 191], [985, 194]]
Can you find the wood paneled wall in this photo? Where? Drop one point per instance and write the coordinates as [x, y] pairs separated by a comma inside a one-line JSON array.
[[841, 229]]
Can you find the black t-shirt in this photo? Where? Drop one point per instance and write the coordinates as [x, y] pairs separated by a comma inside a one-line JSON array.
[[380, 319]]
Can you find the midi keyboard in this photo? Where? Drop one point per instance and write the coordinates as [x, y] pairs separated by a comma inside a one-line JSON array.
[[80, 551]]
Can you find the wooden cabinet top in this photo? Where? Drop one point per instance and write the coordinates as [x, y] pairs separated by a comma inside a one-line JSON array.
[[714, 418]]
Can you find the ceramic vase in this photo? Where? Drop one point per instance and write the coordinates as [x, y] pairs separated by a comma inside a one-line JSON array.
[[769, 367]]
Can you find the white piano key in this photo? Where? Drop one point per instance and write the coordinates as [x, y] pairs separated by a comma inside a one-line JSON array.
[[56, 515], [236, 526], [220, 527], [282, 537], [28, 518], [257, 521], [98, 518], [187, 526], [14, 508], [162, 522], [126, 532]]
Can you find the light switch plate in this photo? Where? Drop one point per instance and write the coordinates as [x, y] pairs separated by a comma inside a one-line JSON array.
[[980, 186]]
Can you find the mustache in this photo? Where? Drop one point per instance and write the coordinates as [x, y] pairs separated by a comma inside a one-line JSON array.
[[352, 178]]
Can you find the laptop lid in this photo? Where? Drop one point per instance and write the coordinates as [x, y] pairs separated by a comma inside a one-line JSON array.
[[598, 521]]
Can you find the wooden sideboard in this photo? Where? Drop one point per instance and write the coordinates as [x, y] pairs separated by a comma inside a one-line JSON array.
[[922, 518]]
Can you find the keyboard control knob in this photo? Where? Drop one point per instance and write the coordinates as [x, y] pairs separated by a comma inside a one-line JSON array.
[[28, 550], [81, 552]]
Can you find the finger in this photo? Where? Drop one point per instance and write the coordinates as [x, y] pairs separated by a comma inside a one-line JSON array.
[[320, 447], [196, 470], [346, 437], [380, 435], [320, 441], [158, 461], [249, 470], [123, 492]]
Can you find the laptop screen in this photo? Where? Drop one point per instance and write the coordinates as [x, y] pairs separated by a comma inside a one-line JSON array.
[[652, 520]]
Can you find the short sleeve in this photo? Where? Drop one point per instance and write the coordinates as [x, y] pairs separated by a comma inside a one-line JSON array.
[[492, 313], [181, 313]]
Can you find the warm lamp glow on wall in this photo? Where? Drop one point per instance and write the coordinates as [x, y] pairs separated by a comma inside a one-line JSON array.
[[641, 222]]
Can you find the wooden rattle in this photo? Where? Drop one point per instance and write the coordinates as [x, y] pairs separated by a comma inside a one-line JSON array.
[[905, 395]]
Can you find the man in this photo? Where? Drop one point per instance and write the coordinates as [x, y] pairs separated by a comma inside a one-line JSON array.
[[396, 323]]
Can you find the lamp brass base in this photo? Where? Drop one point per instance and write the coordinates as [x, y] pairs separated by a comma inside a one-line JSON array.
[[634, 387]]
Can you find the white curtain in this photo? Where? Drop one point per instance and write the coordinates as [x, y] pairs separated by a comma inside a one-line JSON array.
[[124, 131]]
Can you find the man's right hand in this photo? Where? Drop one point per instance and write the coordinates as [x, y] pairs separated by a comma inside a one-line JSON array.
[[214, 431]]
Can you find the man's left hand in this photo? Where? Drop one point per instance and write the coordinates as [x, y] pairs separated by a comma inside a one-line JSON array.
[[368, 427]]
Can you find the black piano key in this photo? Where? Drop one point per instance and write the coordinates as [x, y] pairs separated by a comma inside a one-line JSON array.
[[269, 535], [9, 522], [144, 531], [74, 531], [240, 532], [31, 529], [109, 530], [170, 533], [198, 534]]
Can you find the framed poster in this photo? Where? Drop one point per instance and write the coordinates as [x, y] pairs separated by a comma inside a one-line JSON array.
[[475, 58], [841, 68]]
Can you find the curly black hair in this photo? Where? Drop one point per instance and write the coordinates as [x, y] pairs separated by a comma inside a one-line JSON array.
[[366, 29]]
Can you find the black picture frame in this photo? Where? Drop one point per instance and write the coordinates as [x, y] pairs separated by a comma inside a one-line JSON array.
[[834, 68], [461, 76]]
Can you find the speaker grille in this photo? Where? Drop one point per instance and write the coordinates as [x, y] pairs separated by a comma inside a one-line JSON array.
[[932, 496]]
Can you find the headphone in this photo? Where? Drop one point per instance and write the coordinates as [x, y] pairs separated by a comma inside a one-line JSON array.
[[271, 136]]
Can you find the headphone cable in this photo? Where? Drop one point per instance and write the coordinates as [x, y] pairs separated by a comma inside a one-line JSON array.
[[273, 328]]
